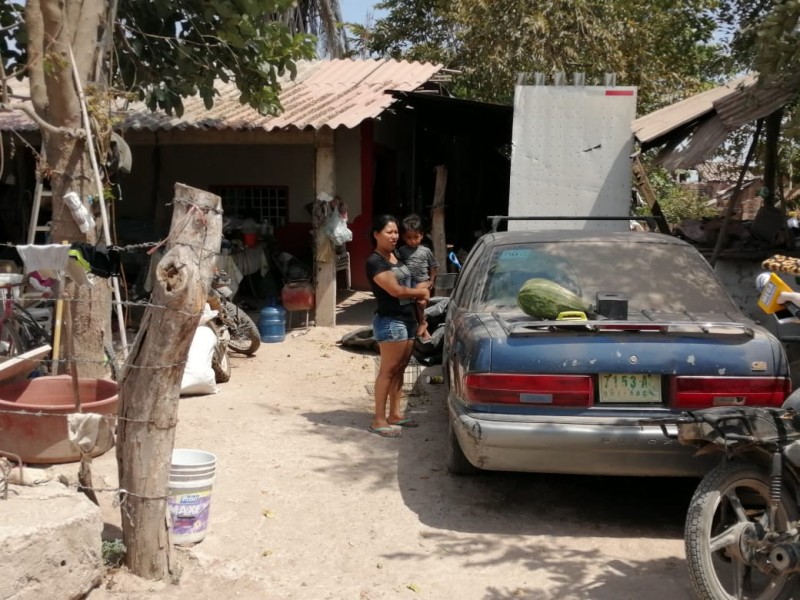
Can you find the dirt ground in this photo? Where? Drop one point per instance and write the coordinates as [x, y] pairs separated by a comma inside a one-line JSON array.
[[308, 505]]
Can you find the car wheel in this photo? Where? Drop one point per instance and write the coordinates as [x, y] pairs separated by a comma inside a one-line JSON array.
[[457, 462]]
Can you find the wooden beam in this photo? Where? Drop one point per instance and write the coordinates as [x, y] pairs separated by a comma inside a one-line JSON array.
[[325, 181], [228, 136], [643, 185], [437, 219]]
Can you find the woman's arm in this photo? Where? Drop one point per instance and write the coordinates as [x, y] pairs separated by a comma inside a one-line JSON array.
[[388, 282]]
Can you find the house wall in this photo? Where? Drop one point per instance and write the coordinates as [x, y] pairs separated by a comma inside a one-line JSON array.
[[143, 214], [394, 139], [348, 169], [202, 166], [739, 276]]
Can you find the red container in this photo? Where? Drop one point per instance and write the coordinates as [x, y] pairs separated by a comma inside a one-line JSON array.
[[297, 296], [250, 240]]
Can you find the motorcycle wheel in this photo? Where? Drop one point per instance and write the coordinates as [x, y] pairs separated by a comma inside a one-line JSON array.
[[221, 364], [732, 494], [245, 338]]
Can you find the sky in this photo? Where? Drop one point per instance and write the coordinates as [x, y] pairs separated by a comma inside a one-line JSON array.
[[355, 11]]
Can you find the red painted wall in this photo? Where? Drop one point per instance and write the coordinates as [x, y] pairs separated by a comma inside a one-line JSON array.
[[361, 246]]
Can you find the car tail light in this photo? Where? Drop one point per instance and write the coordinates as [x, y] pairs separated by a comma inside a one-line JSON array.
[[705, 392], [534, 390]]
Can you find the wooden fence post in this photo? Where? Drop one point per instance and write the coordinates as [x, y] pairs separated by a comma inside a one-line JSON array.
[[151, 377], [438, 235]]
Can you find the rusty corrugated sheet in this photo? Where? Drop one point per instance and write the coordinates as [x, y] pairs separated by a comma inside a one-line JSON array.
[[694, 128], [753, 102], [664, 120], [335, 93], [683, 153]]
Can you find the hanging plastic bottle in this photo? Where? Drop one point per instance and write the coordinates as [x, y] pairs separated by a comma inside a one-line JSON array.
[[83, 218]]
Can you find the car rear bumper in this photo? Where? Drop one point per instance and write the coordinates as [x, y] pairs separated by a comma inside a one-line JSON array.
[[601, 447]]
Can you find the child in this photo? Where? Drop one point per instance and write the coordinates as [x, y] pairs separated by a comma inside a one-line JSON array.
[[421, 262]]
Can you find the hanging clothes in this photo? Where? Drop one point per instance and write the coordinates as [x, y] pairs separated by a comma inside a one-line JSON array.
[[98, 260]]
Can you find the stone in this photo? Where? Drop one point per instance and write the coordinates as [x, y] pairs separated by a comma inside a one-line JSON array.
[[50, 541]]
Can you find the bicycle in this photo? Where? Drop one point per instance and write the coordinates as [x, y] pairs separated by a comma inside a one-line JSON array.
[[20, 332]]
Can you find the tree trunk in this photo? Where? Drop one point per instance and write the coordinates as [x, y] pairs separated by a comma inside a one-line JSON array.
[[150, 382], [53, 27]]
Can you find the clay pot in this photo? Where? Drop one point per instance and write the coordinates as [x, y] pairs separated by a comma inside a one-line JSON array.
[[33, 416]]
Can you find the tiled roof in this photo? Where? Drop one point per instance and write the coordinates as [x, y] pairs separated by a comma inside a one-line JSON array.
[[332, 93], [720, 171]]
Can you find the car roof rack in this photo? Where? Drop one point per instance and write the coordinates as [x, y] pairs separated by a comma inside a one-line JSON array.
[[497, 219]]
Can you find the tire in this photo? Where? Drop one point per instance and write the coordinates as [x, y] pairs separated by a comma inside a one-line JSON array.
[[457, 462], [245, 338], [11, 342], [712, 572], [221, 364], [111, 360]]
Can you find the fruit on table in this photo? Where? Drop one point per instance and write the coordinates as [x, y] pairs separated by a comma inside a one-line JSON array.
[[545, 299]]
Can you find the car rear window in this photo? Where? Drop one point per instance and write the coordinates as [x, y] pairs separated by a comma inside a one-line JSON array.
[[666, 278]]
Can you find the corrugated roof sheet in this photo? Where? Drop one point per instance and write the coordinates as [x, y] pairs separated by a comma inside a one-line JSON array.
[[694, 128], [664, 120], [332, 93]]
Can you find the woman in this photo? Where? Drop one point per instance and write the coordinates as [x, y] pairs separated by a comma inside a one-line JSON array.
[[394, 325]]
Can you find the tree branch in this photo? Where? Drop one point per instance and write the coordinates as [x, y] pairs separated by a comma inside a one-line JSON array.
[[68, 131]]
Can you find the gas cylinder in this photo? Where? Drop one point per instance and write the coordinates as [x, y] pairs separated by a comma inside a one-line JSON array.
[[297, 296]]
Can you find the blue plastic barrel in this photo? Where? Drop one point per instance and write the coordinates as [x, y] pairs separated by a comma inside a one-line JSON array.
[[272, 324]]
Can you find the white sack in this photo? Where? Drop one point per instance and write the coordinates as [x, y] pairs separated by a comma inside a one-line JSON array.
[[198, 376]]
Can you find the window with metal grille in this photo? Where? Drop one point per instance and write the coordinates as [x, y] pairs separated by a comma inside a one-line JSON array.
[[260, 203]]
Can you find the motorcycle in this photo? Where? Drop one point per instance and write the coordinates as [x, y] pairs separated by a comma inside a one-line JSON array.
[[742, 532], [235, 330], [742, 535]]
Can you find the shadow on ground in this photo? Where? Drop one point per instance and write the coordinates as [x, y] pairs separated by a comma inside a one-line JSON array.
[[509, 503]]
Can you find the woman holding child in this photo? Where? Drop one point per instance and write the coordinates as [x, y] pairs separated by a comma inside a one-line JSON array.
[[394, 325]]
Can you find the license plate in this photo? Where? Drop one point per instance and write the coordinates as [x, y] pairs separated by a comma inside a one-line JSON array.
[[629, 387]]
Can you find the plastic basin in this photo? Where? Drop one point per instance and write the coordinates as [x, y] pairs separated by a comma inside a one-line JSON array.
[[33, 416]]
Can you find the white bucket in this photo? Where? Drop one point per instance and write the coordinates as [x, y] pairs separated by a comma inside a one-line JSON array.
[[191, 477]]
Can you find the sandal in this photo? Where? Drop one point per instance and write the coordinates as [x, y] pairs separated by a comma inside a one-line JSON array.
[[387, 432], [405, 423]]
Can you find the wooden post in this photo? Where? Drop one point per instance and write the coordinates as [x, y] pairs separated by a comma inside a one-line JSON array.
[[150, 381], [437, 219], [645, 189], [325, 270], [722, 236]]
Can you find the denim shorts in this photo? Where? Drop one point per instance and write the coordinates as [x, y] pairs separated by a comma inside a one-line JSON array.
[[392, 329]]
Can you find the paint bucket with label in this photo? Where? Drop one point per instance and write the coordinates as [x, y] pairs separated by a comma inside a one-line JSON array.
[[191, 478]]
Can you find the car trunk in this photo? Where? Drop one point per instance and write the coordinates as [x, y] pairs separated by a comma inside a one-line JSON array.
[[688, 365]]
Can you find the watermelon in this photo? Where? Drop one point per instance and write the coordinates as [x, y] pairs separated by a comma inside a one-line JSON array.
[[545, 299]]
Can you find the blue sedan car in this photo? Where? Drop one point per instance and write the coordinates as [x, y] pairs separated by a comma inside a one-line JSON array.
[[567, 396]]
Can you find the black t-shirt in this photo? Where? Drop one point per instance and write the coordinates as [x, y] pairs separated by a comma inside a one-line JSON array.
[[388, 305]]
